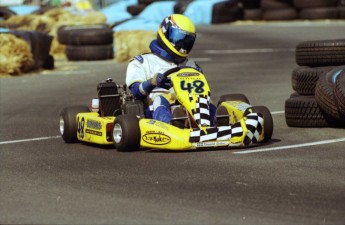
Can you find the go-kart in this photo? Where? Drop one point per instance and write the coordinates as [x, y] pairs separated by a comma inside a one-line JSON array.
[[119, 119]]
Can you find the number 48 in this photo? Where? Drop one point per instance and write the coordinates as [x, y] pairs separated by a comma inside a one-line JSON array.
[[197, 85]]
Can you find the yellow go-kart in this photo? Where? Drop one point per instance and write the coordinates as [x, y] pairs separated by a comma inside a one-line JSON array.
[[120, 119]]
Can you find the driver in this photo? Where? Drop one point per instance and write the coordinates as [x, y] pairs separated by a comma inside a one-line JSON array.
[[175, 39]]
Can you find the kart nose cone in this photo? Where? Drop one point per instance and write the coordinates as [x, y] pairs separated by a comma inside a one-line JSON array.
[[62, 125], [117, 133]]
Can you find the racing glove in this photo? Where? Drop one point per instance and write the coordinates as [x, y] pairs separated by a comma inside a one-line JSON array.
[[158, 80]]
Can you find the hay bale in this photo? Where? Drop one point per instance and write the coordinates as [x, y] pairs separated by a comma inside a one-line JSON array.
[[15, 55], [131, 43], [50, 21]]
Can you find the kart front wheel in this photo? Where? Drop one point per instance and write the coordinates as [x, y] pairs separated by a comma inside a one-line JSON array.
[[126, 133], [268, 121], [68, 122], [233, 97]]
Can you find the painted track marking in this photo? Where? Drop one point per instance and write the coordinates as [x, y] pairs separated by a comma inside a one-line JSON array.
[[28, 140], [278, 148]]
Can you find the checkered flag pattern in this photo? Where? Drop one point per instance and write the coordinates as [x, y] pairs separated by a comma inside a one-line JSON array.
[[201, 113], [167, 22], [254, 124]]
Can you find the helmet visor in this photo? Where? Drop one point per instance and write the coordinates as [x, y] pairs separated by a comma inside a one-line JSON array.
[[180, 39]]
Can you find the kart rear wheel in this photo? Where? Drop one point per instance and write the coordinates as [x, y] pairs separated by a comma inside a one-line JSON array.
[[126, 133], [268, 121], [68, 122], [233, 97]]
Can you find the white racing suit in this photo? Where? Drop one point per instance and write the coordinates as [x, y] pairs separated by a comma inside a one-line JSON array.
[[142, 68]]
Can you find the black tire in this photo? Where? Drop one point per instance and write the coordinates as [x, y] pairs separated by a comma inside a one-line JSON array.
[[135, 10], [89, 52], [252, 14], [319, 13], [228, 11], [97, 34], [304, 78], [181, 6], [68, 122], [126, 133], [6, 12], [339, 93], [342, 12], [275, 4], [40, 44], [321, 53], [268, 121], [314, 3], [233, 97], [324, 93], [280, 14], [303, 111], [49, 63], [251, 4]]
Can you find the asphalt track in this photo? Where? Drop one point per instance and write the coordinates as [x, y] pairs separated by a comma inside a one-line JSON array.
[[297, 178]]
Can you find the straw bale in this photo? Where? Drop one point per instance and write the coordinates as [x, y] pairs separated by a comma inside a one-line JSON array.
[[15, 55], [50, 21], [131, 43]]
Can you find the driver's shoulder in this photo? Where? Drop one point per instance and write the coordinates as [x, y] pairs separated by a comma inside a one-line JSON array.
[[143, 58]]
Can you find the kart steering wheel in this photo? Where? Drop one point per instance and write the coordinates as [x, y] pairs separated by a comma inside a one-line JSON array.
[[175, 69]]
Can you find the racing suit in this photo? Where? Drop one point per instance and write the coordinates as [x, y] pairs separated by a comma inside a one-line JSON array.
[[142, 68]]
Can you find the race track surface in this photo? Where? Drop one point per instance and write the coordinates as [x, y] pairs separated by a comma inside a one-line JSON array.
[[297, 178]]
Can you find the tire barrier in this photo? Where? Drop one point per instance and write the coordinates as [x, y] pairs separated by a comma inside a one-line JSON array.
[[319, 82], [87, 42], [40, 44]]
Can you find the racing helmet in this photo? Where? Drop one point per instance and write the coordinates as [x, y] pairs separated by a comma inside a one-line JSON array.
[[176, 35]]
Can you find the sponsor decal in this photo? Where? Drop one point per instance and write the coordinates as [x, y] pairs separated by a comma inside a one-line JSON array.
[[93, 124], [93, 132], [212, 144], [187, 74], [242, 106], [156, 138]]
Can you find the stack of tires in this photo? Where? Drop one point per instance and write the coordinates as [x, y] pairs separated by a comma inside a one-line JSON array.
[[293, 9], [318, 9], [252, 9], [319, 82], [87, 42], [278, 10]]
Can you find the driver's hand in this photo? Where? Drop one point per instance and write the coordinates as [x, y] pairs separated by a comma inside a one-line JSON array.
[[158, 80]]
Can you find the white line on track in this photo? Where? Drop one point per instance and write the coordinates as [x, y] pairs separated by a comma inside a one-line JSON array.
[[28, 140], [278, 148]]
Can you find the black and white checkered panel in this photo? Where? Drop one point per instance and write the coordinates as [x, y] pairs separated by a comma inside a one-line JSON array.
[[202, 112], [254, 124], [223, 133], [167, 22]]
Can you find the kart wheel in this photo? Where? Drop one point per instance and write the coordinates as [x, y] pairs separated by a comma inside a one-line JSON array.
[[68, 122], [126, 133], [233, 97], [268, 121]]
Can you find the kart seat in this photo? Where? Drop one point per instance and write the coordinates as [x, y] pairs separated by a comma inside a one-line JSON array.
[[109, 98]]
